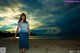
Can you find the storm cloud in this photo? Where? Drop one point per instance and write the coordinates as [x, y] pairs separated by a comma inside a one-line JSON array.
[[41, 14]]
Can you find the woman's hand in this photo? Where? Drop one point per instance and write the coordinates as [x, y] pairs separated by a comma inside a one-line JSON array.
[[16, 33], [14, 37], [29, 34]]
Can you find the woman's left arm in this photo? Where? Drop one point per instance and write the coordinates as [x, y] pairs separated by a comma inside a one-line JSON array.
[[29, 31]]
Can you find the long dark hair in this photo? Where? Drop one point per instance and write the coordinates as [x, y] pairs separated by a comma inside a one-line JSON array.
[[23, 14]]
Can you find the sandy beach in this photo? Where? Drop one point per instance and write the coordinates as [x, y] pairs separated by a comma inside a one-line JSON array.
[[42, 45]]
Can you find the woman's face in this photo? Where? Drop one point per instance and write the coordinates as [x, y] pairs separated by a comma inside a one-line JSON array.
[[23, 17]]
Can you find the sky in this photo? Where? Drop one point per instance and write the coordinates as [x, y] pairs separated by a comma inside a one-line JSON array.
[[54, 16]]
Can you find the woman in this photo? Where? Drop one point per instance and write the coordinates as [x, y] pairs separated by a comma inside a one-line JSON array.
[[24, 33]]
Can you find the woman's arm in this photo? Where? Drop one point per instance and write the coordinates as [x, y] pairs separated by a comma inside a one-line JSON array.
[[29, 31], [16, 32]]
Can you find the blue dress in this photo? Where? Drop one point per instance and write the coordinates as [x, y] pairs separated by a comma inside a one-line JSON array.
[[23, 40], [23, 35]]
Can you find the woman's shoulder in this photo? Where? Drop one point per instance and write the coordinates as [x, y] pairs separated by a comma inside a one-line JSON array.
[[18, 22], [27, 22]]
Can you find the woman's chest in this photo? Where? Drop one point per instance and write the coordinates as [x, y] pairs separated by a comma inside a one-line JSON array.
[[23, 25]]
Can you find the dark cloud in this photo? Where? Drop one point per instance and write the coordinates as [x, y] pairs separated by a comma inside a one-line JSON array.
[[49, 12], [8, 3]]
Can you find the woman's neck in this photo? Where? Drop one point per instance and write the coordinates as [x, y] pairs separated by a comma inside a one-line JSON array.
[[21, 20]]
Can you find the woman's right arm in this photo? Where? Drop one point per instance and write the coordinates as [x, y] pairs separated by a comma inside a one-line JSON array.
[[16, 32], [18, 26]]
